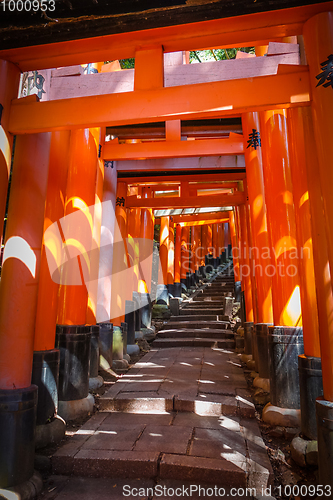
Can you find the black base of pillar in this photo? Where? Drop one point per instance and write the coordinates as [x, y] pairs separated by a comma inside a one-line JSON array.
[[255, 349], [177, 290], [208, 269], [146, 310], [124, 337], [18, 409], [262, 346], [202, 271], [248, 337], [311, 387], [74, 344], [105, 344], [162, 296], [137, 310], [117, 344], [229, 251], [238, 291], [171, 289], [285, 344], [224, 257], [130, 320], [94, 352], [324, 411], [183, 284], [45, 374]]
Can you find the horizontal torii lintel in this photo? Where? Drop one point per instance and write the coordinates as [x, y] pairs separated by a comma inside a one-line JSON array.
[[206, 217], [253, 29], [233, 145], [196, 175], [204, 222], [188, 202], [289, 87]]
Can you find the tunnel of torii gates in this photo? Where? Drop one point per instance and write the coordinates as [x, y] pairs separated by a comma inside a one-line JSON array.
[[93, 193]]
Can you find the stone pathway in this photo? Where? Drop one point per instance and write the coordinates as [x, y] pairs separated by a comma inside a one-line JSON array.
[[181, 416]]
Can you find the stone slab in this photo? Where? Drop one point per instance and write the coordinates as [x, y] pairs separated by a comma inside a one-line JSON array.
[[123, 464], [114, 437], [216, 471], [165, 439], [87, 488]]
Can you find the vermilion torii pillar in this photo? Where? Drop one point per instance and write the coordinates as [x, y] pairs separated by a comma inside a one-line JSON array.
[[78, 230], [185, 261], [235, 247], [147, 233], [221, 237], [121, 284], [171, 254], [47, 305], [281, 219], [318, 41], [178, 242], [324, 405], [45, 355], [162, 296], [9, 83], [245, 270], [18, 302], [287, 333], [258, 213], [310, 362], [99, 135]]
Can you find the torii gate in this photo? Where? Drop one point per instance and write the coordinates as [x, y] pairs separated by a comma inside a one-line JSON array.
[[284, 94]]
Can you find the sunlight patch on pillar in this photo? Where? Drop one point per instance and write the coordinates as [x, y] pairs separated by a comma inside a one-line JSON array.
[[17, 248]]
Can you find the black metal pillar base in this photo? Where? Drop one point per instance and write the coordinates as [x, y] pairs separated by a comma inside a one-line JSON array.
[[162, 296], [238, 291], [124, 337], [74, 344], [45, 374], [324, 411], [130, 320], [255, 350], [285, 344], [248, 337], [146, 308], [117, 345], [137, 310], [177, 290], [311, 387], [105, 345], [18, 410], [202, 270], [171, 289], [183, 283], [224, 257], [262, 346], [94, 352]]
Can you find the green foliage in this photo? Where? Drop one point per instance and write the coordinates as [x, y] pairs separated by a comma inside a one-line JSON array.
[[217, 54], [127, 63]]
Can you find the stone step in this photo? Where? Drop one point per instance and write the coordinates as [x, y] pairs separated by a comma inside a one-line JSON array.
[[191, 332], [201, 303], [224, 448], [202, 311], [154, 404], [208, 317], [197, 341], [175, 323]]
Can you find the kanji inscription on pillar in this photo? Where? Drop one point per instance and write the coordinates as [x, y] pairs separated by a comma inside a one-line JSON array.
[[327, 73], [120, 202], [254, 139]]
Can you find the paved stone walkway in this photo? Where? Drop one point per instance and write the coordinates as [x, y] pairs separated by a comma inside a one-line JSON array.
[[181, 416]]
